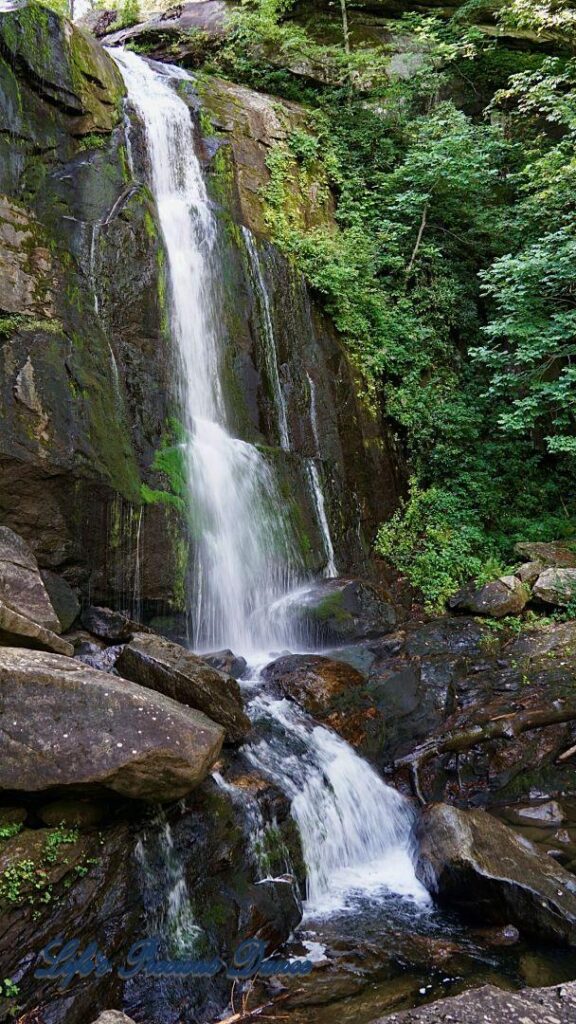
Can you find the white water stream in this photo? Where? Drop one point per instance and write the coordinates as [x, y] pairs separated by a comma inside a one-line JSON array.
[[356, 831]]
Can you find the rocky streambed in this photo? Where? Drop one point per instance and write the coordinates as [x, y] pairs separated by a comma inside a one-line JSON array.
[[136, 801]]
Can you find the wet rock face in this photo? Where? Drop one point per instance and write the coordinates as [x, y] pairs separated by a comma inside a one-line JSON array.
[[64, 725], [471, 676], [475, 862], [167, 668]]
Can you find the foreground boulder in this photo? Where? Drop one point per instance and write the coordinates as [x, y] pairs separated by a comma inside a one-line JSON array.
[[490, 1005], [19, 631], [478, 864], [312, 681], [504, 596], [161, 665], [113, 1017], [21, 586], [64, 725]]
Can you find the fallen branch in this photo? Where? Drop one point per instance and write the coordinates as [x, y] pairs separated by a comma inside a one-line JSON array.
[[504, 727], [418, 240], [243, 1017]]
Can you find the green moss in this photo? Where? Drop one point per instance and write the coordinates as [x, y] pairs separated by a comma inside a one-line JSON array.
[[331, 607]]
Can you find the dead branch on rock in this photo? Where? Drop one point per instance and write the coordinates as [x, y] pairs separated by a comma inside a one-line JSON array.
[[258, 1011], [504, 727]]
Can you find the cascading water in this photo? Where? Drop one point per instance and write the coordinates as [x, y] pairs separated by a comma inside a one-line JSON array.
[[246, 555], [355, 830]]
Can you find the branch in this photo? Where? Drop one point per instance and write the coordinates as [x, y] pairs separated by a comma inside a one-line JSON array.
[[418, 240], [243, 1018], [504, 727]]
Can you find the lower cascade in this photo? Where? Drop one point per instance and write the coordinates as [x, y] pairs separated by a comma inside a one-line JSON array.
[[355, 830]]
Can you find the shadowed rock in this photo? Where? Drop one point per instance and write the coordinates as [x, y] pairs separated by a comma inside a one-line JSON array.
[[64, 725], [478, 864]]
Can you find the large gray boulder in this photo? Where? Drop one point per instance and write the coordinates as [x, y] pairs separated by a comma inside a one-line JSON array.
[[556, 586], [504, 596], [64, 726], [21, 585], [559, 553], [164, 666], [478, 864]]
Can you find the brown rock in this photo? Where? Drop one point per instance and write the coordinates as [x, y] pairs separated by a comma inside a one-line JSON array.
[[529, 572], [73, 813], [312, 681]]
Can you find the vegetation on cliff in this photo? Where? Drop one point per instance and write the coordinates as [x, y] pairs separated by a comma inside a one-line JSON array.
[[452, 273]]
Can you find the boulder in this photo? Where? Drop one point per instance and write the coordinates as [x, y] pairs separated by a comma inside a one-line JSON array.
[[339, 611], [102, 658], [529, 572], [161, 665], [489, 1005], [19, 631], [64, 600], [504, 596], [478, 864], [226, 661], [13, 815], [558, 553], [66, 726], [21, 586], [109, 625], [556, 586], [312, 681]]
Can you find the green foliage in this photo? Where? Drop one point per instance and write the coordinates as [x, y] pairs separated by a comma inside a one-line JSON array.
[[8, 989], [8, 831], [451, 271]]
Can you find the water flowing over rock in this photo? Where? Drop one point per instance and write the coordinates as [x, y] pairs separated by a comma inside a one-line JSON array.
[[246, 553], [167, 668], [475, 862], [64, 725]]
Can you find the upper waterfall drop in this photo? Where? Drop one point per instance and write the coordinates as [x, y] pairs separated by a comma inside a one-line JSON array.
[[246, 554]]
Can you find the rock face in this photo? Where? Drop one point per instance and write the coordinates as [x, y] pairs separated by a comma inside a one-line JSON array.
[[166, 667], [504, 596], [488, 1005], [189, 33], [21, 585], [556, 586], [475, 862], [107, 624], [64, 725]]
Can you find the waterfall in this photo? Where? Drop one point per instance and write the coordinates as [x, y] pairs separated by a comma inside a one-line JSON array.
[[330, 569], [246, 554], [356, 831], [270, 348]]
